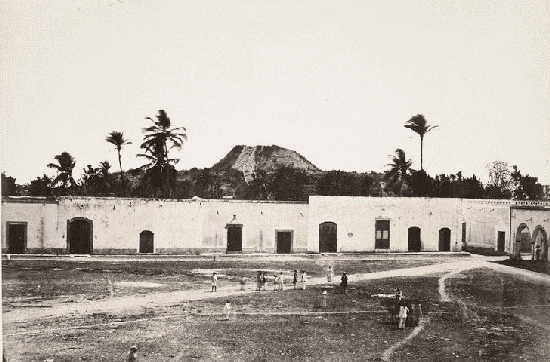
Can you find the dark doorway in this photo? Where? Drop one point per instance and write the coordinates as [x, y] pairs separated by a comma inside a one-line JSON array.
[[382, 240], [79, 231], [234, 238], [523, 237], [146, 243], [445, 239], [414, 239], [501, 242], [284, 242], [17, 237], [328, 234]]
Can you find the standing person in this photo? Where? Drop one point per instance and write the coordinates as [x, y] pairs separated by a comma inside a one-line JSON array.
[[264, 280], [344, 282], [295, 279], [304, 279], [275, 282], [398, 295], [403, 311], [281, 282], [214, 282], [259, 280], [330, 274], [243, 283], [132, 355], [537, 252], [227, 310]]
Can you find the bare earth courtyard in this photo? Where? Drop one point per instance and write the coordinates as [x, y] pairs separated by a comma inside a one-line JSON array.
[[94, 309]]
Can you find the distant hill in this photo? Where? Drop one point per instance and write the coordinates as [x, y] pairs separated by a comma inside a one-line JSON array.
[[247, 159]]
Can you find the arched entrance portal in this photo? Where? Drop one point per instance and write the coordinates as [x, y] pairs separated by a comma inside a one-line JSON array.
[[445, 239], [79, 235], [414, 239], [328, 237], [523, 239], [146, 242], [540, 240]]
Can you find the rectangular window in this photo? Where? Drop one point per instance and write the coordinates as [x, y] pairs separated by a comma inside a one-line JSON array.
[[382, 234]]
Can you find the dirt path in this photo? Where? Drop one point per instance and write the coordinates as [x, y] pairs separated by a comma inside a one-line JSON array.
[[456, 268], [139, 302]]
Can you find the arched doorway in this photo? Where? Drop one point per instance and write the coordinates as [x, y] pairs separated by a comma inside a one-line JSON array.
[[445, 239], [540, 239], [79, 235], [328, 237], [523, 239], [415, 243], [146, 242]]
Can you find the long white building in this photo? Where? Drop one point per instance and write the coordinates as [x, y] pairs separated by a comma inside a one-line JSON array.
[[326, 224]]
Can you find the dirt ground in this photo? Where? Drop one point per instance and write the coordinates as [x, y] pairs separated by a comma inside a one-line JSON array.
[[91, 310]]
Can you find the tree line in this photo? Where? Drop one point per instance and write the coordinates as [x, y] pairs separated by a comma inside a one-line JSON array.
[[159, 178]]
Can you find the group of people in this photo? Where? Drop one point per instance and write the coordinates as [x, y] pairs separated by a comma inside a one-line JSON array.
[[299, 280]]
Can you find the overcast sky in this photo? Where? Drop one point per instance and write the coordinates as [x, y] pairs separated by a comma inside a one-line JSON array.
[[335, 82]]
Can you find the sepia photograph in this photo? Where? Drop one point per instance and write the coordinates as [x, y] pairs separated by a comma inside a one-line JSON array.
[[239, 180]]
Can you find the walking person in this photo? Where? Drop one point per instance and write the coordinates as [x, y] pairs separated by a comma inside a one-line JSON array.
[[330, 274], [281, 282], [403, 312], [295, 279], [214, 282], [304, 279], [344, 282]]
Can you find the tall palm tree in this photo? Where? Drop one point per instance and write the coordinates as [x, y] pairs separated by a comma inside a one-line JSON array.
[[419, 125], [64, 167], [159, 139], [399, 173], [117, 139]]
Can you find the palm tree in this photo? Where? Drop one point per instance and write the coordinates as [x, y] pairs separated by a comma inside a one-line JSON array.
[[399, 172], [159, 139], [117, 139], [419, 125], [64, 168]]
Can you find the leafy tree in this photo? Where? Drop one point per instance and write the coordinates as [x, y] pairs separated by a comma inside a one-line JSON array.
[[399, 173], [208, 185], [421, 184], [96, 180], [65, 165], [9, 188], [499, 174], [117, 139], [419, 125], [289, 184], [257, 188], [341, 183], [159, 139], [40, 186]]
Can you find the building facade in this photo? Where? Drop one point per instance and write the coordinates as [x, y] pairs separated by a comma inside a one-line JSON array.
[[327, 224]]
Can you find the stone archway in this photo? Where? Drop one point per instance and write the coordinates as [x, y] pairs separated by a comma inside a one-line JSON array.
[[540, 238], [444, 239], [80, 235], [146, 242], [523, 239]]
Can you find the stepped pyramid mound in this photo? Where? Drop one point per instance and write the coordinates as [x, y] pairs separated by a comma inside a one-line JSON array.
[[247, 159]]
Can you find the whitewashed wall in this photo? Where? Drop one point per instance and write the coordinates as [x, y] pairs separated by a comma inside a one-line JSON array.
[[356, 217]]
